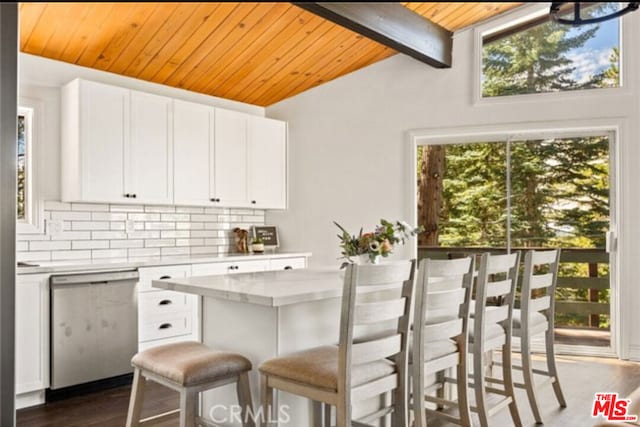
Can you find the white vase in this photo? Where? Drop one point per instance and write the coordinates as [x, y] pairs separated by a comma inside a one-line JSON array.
[[365, 259]]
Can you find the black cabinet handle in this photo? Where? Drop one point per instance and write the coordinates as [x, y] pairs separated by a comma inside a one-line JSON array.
[[127, 195], [217, 200], [288, 267], [253, 202], [164, 277], [165, 302], [165, 326], [212, 200], [233, 267], [134, 195]]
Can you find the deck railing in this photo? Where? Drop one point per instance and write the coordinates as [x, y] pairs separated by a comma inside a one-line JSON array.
[[594, 283]]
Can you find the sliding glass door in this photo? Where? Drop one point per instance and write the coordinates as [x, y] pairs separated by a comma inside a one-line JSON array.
[[523, 193]]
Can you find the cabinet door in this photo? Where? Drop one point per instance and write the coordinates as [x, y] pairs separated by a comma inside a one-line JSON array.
[[104, 125], [32, 333], [230, 171], [193, 153], [149, 155], [267, 163]]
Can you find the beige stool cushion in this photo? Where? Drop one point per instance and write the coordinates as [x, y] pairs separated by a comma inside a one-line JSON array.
[[190, 363], [436, 349], [318, 367], [490, 331]]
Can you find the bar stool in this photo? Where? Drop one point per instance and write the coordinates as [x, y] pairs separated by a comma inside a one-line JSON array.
[[360, 367], [491, 329], [440, 335], [536, 317], [188, 368]]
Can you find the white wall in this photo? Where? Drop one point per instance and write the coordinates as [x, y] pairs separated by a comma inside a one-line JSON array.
[[40, 80], [348, 147]]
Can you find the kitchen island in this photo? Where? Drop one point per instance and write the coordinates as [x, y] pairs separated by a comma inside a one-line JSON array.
[[264, 315]]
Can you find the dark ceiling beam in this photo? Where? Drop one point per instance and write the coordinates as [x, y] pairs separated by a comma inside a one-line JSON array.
[[392, 25]]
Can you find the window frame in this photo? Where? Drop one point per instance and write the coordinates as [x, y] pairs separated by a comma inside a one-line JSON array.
[[33, 223], [529, 12]]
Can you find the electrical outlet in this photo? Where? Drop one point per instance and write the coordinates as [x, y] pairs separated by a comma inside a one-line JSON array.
[[54, 226], [129, 226]]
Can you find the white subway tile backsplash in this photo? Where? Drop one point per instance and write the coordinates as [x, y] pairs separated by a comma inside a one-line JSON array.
[[57, 206], [144, 216], [89, 207], [98, 231], [90, 244], [50, 245], [157, 243], [117, 244], [71, 216], [109, 253], [109, 216], [174, 217], [68, 255], [144, 252], [181, 209]]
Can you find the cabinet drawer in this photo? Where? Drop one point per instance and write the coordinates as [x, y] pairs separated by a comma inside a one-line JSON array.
[[228, 267], [155, 303], [149, 274], [165, 326], [288, 263]]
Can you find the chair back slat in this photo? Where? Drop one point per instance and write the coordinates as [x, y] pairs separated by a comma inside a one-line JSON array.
[[448, 268], [498, 289], [501, 263], [496, 314], [444, 299], [445, 283], [540, 281], [376, 349], [444, 330], [376, 312], [544, 257], [539, 304], [375, 296]]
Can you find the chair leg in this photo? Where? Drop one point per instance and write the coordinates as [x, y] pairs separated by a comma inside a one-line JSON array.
[[479, 385], [317, 409], [441, 392], [527, 374], [244, 399], [343, 415], [266, 396], [419, 415], [507, 375], [327, 415], [400, 415], [462, 385], [551, 366], [188, 407], [136, 399]]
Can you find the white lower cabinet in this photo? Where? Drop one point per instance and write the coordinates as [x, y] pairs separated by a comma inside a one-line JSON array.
[[32, 339], [165, 316]]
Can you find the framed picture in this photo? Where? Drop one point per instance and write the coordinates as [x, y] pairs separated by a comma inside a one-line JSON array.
[[268, 234]]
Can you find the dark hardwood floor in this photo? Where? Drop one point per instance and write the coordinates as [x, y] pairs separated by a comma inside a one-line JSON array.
[[581, 377]]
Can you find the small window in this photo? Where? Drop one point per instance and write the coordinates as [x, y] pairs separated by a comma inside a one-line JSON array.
[[541, 55], [24, 201]]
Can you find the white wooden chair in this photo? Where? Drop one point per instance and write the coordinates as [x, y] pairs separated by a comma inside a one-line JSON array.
[[188, 368], [440, 335], [492, 330], [360, 367], [536, 316]]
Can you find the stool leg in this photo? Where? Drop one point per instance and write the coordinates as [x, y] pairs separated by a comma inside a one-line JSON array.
[[244, 399], [266, 395], [136, 399], [188, 407], [327, 415]]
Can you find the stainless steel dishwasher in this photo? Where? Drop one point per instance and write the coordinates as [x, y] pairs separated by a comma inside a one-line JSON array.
[[94, 326]]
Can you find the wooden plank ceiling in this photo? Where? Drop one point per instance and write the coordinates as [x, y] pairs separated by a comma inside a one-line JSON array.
[[259, 53]]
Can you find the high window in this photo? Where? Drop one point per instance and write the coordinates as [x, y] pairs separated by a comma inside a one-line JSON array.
[[540, 55]]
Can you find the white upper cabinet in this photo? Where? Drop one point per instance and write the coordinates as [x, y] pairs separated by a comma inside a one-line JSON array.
[[267, 165], [193, 153], [126, 146], [95, 131], [230, 167], [149, 154]]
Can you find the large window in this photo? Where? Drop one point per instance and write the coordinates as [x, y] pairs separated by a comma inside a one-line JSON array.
[[540, 55], [25, 126]]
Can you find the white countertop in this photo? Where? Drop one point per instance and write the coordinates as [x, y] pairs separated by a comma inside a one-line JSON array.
[[118, 263], [269, 288]]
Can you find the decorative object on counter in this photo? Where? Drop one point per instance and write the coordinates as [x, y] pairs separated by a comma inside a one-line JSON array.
[[369, 247], [257, 245], [268, 234], [242, 237]]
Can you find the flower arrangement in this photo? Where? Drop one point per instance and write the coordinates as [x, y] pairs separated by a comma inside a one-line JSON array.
[[375, 244]]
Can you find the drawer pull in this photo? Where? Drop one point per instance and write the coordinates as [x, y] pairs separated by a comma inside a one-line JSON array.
[[164, 277], [288, 267], [165, 302], [165, 326]]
